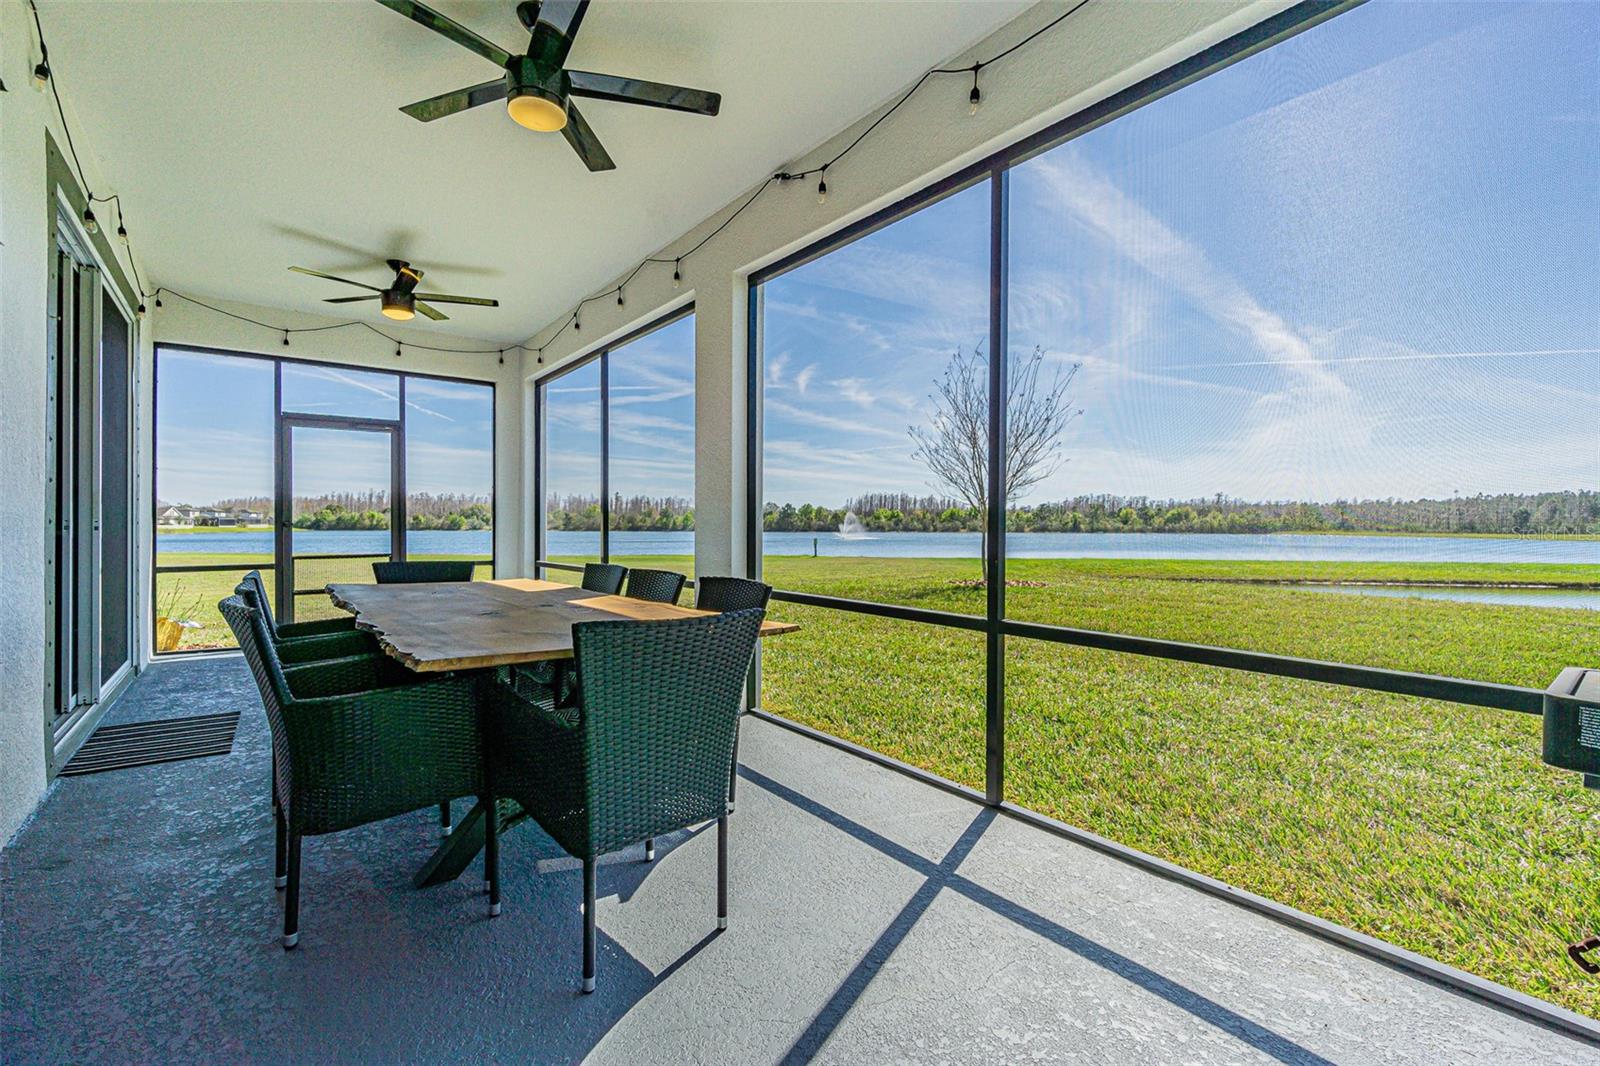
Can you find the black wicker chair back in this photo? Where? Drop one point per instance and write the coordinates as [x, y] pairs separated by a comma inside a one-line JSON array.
[[604, 577], [304, 642], [423, 572], [645, 752], [658, 586], [257, 597], [250, 630], [730, 594]]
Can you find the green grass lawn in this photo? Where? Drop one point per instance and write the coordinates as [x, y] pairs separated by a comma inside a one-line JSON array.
[[1431, 825], [194, 596]]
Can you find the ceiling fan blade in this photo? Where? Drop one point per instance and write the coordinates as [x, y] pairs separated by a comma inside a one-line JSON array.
[[352, 299], [432, 312], [335, 277], [648, 93], [554, 28], [448, 27], [584, 142], [441, 298], [449, 103]]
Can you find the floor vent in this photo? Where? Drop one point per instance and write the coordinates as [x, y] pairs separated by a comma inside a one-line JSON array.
[[120, 747]]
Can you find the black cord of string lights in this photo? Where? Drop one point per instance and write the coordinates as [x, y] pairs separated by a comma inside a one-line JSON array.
[[574, 320]]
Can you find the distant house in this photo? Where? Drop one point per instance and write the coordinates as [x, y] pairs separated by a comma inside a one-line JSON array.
[[213, 517], [175, 516], [251, 518]]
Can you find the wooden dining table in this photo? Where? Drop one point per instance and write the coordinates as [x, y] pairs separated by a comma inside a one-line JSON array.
[[481, 625]]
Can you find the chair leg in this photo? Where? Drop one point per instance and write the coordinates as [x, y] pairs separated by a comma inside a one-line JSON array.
[[733, 772], [444, 819], [280, 861], [722, 872], [291, 900], [588, 925], [650, 850], [491, 855]]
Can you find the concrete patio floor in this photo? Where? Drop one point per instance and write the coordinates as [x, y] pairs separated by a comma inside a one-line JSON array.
[[874, 919]]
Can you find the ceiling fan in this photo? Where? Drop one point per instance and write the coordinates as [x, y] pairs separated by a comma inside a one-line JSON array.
[[537, 89], [401, 300]]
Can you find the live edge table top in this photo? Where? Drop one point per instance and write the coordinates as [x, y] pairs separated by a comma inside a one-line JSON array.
[[469, 625]]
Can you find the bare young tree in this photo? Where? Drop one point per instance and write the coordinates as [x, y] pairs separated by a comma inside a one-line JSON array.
[[955, 445]]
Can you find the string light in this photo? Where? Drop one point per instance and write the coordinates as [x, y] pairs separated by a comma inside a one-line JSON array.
[[140, 311], [42, 77]]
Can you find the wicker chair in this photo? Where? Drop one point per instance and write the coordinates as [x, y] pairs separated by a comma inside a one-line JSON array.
[[351, 748], [604, 577], [331, 638], [730, 594], [659, 586], [645, 752], [305, 642], [422, 573]]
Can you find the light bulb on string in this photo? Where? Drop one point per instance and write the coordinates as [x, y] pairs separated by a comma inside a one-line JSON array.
[[41, 76], [677, 276], [619, 297], [822, 191], [974, 97], [90, 223], [122, 234]]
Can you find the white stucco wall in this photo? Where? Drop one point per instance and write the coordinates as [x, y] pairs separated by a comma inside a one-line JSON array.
[[25, 211], [1103, 48]]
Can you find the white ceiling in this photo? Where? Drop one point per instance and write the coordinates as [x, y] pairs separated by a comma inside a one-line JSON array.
[[248, 136]]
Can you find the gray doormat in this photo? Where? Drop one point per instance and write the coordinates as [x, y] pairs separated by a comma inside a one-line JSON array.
[[120, 747]]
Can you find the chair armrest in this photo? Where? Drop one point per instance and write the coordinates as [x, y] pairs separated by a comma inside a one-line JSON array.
[[346, 676], [318, 628], [327, 646]]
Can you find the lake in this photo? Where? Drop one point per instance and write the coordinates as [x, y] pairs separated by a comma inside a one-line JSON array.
[[1299, 547]]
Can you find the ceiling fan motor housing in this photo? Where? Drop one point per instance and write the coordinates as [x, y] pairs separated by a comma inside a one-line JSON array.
[[525, 76]]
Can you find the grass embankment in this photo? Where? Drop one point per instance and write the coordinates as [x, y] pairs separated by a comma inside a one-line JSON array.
[[194, 596], [1431, 825]]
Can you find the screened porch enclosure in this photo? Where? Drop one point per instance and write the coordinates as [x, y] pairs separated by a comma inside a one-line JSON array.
[[1073, 537]]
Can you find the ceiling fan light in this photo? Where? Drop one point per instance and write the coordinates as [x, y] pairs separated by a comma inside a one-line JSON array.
[[536, 112], [399, 306]]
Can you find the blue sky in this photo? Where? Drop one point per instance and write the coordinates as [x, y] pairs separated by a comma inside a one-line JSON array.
[[214, 430], [652, 420], [1363, 263]]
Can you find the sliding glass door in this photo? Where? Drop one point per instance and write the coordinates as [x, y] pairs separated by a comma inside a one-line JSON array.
[[88, 420]]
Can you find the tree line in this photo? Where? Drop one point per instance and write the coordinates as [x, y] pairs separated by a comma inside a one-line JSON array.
[[1532, 514], [370, 510], [631, 513]]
